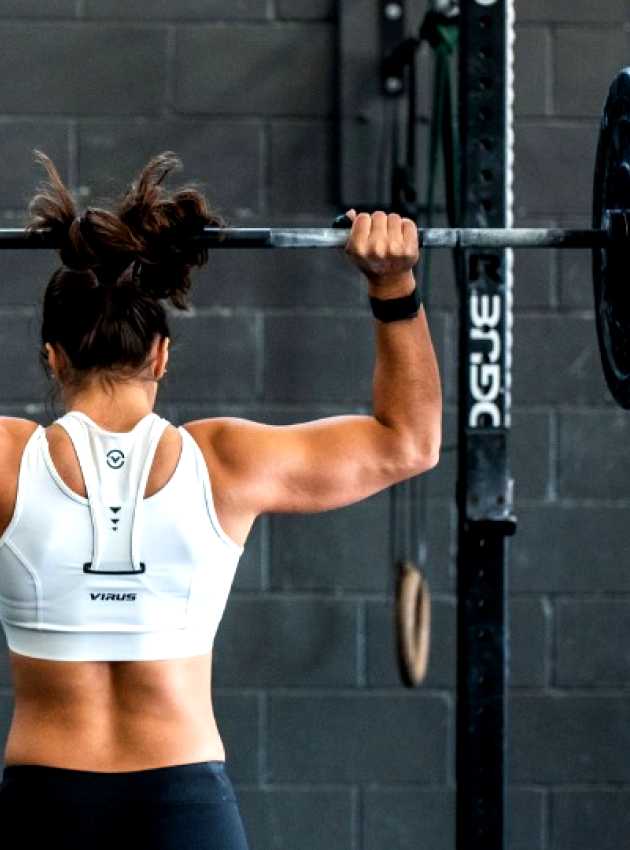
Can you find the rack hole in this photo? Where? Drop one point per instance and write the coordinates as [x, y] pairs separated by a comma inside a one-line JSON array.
[[486, 175], [486, 144]]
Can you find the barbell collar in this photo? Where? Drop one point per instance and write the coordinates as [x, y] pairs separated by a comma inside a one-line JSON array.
[[313, 237]]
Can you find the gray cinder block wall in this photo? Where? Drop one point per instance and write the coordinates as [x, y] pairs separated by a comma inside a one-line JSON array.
[[326, 748]]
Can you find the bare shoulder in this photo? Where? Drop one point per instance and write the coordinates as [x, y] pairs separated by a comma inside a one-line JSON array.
[[14, 434], [209, 434], [15, 430]]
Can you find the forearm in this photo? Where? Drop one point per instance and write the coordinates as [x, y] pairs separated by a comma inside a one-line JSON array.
[[407, 395]]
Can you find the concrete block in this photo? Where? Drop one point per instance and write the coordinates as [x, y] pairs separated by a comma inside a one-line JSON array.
[[318, 358], [559, 739], [535, 274], [358, 738], [408, 818], [68, 69], [297, 279], [249, 573], [223, 158], [302, 168], [25, 275], [593, 459], [580, 88], [261, 70], [308, 818], [556, 360], [592, 649], [583, 819], [532, 73], [572, 11], [576, 280], [18, 139], [226, 346], [570, 550], [344, 548], [554, 167], [313, 10], [37, 9], [530, 454], [307, 643], [183, 10], [526, 828], [331, 358], [22, 379], [530, 642], [436, 279], [238, 721]]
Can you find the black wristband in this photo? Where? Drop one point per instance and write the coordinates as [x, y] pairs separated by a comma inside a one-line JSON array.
[[394, 309]]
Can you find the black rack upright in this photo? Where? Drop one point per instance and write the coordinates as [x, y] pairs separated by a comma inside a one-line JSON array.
[[484, 487]]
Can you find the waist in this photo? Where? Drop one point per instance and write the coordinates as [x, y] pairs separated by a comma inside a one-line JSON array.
[[201, 782], [98, 742]]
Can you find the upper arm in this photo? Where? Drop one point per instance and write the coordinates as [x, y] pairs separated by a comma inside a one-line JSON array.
[[308, 467], [14, 434], [15, 431]]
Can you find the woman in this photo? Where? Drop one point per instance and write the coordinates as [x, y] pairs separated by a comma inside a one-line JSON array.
[[119, 546]]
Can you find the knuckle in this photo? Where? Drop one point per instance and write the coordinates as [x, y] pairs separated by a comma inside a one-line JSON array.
[[378, 250]]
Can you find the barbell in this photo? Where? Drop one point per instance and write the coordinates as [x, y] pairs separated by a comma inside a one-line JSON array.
[[609, 238], [326, 237]]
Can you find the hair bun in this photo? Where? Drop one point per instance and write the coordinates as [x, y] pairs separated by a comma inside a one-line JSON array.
[[146, 238], [163, 224]]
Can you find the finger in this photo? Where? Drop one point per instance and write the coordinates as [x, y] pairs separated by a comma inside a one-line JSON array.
[[360, 232], [379, 225], [394, 229], [410, 231], [351, 214]]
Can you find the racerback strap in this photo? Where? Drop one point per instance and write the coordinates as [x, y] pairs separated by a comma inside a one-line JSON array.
[[115, 469]]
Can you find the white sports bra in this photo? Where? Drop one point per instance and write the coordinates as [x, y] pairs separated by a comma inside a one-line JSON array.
[[114, 576]]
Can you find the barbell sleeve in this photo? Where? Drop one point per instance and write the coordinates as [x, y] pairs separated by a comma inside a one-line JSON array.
[[313, 237]]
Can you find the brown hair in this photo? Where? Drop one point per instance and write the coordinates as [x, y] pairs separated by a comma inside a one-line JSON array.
[[102, 305]]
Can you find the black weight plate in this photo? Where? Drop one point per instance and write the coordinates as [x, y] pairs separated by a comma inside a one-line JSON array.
[[611, 270]]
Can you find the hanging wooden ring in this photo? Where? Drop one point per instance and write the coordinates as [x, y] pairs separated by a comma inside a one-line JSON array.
[[413, 623]]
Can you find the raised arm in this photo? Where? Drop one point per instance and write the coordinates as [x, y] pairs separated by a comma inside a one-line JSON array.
[[332, 462]]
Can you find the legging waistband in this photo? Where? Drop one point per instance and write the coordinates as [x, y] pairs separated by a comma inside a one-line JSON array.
[[199, 782]]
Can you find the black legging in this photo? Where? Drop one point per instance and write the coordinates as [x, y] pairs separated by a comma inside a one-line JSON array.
[[185, 807]]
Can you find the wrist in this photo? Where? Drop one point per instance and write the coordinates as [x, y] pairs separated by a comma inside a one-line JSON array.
[[394, 286]]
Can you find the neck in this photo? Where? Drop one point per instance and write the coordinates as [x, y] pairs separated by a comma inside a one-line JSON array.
[[116, 410]]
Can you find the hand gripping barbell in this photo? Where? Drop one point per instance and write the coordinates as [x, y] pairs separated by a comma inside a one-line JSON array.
[[609, 239]]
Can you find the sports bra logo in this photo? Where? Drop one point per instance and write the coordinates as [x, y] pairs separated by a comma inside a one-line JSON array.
[[115, 459]]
